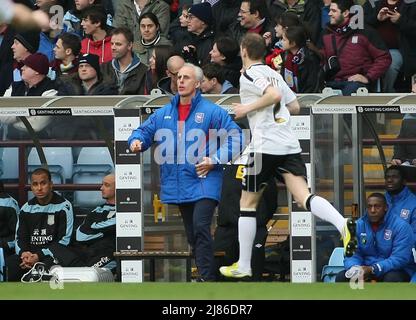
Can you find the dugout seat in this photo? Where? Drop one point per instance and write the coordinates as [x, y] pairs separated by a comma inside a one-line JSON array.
[[334, 266], [93, 164], [59, 159], [9, 163]]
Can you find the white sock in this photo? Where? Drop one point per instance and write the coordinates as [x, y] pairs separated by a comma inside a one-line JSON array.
[[325, 211], [246, 234]]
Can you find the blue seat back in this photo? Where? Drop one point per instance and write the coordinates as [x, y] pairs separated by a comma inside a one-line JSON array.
[[9, 163], [93, 164], [335, 265], [337, 257], [59, 159], [2, 265]]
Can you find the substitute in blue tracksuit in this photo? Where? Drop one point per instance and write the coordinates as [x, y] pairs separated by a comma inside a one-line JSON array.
[[385, 245], [400, 200], [193, 137]]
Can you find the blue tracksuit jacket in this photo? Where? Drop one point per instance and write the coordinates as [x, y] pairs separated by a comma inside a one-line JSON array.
[[178, 150], [404, 206], [387, 249]]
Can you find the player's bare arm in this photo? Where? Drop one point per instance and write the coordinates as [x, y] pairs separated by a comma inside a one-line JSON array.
[[293, 107], [24, 18], [271, 96]]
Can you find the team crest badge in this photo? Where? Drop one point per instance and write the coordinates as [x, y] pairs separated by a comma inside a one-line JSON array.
[[363, 238], [387, 234], [199, 117], [404, 213], [51, 219]]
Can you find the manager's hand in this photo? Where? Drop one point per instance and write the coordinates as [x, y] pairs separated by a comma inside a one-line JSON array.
[[204, 167], [136, 146]]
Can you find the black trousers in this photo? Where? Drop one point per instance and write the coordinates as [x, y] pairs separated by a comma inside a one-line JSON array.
[[99, 254], [197, 219], [391, 276], [61, 254]]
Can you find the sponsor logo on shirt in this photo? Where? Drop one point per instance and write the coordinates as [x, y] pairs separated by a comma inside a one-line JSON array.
[[387, 234]]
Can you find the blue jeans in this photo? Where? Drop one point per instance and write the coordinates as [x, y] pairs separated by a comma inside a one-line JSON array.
[[347, 87], [197, 219], [392, 72]]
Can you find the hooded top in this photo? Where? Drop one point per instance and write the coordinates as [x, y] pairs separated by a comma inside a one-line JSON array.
[[101, 48]]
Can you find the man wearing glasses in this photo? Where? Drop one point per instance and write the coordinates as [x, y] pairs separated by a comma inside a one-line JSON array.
[[200, 34], [252, 17], [169, 84]]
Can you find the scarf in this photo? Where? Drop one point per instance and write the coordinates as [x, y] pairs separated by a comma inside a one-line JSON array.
[[151, 43]]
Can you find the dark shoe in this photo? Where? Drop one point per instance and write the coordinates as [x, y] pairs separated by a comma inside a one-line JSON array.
[[349, 238], [200, 279]]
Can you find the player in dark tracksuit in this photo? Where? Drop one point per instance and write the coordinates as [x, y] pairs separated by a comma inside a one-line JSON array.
[[9, 211], [226, 233], [96, 235], [44, 229]]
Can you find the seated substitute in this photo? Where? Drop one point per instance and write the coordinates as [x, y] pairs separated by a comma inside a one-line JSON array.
[[405, 154], [9, 212], [96, 236], [400, 199], [43, 230], [385, 245]]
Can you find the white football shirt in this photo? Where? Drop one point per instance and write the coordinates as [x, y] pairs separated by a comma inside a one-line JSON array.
[[271, 131]]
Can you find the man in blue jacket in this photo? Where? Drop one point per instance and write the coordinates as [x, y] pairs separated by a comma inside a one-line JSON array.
[[194, 136], [400, 199], [385, 245]]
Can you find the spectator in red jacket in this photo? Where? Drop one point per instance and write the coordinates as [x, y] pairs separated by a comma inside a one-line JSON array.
[[98, 41], [362, 56]]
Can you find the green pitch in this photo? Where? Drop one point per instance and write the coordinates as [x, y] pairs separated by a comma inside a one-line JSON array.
[[207, 291]]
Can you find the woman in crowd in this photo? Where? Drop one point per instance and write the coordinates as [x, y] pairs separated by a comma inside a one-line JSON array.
[[151, 37]]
